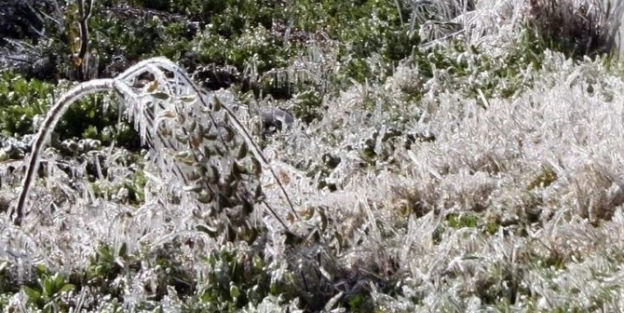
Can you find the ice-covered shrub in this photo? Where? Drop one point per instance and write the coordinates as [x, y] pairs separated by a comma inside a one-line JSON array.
[[197, 144]]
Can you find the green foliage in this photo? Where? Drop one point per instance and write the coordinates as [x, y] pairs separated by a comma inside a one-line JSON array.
[[462, 220], [236, 278], [472, 71], [4, 300], [249, 35], [486, 224], [136, 187], [372, 30], [230, 17], [162, 5], [255, 48], [133, 187], [49, 292], [253, 35], [375, 29], [104, 264], [97, 117], [20, 101], [544, 179], [308, 106], [5, 277]]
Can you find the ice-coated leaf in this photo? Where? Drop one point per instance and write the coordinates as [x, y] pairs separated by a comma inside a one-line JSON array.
[[66, 288], [234, 292], [31, 293], [188, 99], [242, 151]]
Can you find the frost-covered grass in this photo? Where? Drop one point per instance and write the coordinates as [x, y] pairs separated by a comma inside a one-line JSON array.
[[492, 183]]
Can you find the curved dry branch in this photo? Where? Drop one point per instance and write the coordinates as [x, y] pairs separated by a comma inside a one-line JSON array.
[[54, 115]]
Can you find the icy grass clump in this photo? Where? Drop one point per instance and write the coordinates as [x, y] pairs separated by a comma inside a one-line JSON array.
[[515, 204], [575, 27], [488, 160]]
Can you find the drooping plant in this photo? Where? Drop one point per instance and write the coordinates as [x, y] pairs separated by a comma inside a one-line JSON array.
[[197, 142]]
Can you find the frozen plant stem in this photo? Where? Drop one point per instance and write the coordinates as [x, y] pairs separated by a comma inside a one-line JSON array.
[[79, 91]]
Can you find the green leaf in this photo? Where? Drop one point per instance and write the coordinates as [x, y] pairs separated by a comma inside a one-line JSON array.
[[59, 280], [32, 294], [257, 262], [41, 269], [48, 287], [234, 292], [66, 288], [217, 105]]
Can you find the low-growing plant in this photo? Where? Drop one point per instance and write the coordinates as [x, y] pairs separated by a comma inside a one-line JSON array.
[[48, 293], [21, 101]]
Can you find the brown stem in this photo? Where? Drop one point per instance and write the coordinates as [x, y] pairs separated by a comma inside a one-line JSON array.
[[84, 35]]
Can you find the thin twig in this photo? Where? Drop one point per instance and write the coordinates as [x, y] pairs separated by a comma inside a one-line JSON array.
[[275, 215]]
